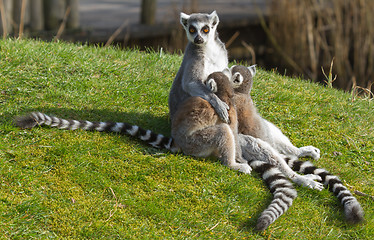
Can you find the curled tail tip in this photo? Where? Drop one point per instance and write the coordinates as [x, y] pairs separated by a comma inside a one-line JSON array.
[[26, 121], [354, 213], [262, 224]]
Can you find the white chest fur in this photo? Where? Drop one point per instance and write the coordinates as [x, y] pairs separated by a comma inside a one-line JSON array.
[[215, 58]]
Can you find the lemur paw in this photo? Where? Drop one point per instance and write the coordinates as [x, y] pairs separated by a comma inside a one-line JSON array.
[[272, 161], [244, 168], [310, 151], [310, 181], [221, 109]]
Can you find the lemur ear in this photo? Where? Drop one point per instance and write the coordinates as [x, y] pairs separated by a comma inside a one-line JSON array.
[[232, 68], [184, 19], [227, 72], [212, 85], [252, 69], [214, 18]]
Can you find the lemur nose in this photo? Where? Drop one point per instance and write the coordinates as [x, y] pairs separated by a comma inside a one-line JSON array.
[[198, 40]]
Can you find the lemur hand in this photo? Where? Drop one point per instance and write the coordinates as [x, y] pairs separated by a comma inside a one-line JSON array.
[[221, 108]]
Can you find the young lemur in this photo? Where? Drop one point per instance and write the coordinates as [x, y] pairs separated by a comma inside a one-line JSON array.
[[199, 131], [266, 137], [251, 123]]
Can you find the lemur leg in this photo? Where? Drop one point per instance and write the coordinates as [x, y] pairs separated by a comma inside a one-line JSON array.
[[308, 180], [284, 146], [256, 149], [217, 140]]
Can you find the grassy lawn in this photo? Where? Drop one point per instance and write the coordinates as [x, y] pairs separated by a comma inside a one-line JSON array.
[[76, 184]]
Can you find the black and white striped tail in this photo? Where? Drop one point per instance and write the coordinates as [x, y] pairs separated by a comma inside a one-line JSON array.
[[282, 189], [352, 208], [156, 140]]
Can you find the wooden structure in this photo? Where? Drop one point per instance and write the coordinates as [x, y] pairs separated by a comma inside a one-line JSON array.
[[33, 16], [148, 12]]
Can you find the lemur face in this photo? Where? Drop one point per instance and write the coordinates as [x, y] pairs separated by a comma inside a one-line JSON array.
[[242, 78], [200, 28]]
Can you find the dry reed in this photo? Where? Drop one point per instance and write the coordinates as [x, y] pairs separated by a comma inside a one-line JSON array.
[[22, 19], [313, 32], [63, 24], [3, 19]]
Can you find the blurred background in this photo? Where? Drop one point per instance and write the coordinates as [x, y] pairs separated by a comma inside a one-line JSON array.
[[327, 41]]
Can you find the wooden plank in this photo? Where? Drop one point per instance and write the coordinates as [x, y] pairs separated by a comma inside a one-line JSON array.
[[148, 12]]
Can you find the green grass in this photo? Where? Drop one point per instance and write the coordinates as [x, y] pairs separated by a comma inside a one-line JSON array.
[[76, 184]]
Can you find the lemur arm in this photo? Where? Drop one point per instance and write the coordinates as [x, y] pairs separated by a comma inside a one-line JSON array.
[[198, 89]]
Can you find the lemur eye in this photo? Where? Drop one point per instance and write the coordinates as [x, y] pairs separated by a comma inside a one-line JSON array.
[[192, 30], [205, 29]]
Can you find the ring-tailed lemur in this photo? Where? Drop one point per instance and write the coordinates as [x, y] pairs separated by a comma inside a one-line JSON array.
[[204, 54], [271, 140], [268, 137], [251, 123]]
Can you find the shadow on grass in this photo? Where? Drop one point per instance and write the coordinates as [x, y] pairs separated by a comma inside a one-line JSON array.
[[158, 124]]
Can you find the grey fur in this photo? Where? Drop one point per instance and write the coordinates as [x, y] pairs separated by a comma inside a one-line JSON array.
[[267, 137], [352, 209], [251, 123], [265, 141], [282, 189], [200, 59]]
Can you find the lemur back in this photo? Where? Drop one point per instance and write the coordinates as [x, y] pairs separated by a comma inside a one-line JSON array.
[[272, 141], [249, 121], [204, 54], [200, 132]]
